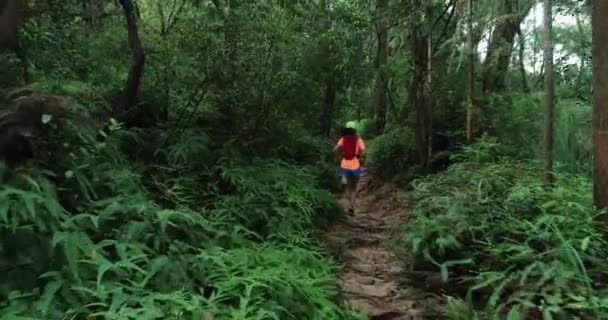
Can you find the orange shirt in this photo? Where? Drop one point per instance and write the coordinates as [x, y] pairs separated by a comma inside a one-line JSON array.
[[352, 164]]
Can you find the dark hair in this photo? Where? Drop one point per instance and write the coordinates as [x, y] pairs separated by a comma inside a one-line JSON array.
[[348, 131]]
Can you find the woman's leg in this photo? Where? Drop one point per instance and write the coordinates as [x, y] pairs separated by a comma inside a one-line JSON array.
[[352, 187], [343, 176]]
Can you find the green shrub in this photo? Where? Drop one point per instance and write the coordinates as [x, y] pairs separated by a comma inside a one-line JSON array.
[[522, 250], [393, 153], [274, 197], [518, 124], [484, 150], [177, 240], [366, 128]]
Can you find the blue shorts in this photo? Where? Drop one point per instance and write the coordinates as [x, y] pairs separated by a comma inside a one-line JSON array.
[[350, 172]]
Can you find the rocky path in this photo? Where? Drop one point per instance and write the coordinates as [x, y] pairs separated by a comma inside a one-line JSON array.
[[373, 280]]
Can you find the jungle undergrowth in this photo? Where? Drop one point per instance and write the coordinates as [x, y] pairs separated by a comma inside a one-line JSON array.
[[95, 232], [511, 248]]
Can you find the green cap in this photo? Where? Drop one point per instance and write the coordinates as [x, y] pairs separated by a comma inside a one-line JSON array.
[[351, 125]]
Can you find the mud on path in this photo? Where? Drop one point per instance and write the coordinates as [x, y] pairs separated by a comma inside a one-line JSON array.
[[373, 280]]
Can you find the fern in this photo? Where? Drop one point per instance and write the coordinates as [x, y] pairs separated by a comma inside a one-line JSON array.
[[531, 248]]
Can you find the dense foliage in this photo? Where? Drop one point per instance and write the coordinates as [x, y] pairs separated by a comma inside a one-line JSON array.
[[223, 238], [517, 249]]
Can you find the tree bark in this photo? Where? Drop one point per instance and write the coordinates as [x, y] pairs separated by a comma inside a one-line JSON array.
[[582, 53], [381, 87], [549, 93], [10, 16], [430, 100], [329, 97], [226, 78], [419, 94], [328, 107], [92, 12], [471, 73], [600, 110], [522, 65], [501, 44], [128, 98], [500, 48]]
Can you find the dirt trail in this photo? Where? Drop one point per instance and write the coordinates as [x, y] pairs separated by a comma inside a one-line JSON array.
[[373, 280]]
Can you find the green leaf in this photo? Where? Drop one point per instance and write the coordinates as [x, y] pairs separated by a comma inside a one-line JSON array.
[[585, 243], [514, 314], [44, 304], [46, 118]]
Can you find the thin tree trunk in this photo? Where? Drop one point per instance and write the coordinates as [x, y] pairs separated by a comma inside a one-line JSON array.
[[328, 107], [549, 93], [522, 62], [227, 76], [582, 54], [128, 98], [329, 96], [471, 73], [95, 12], [430, 101], [600, 110], [382, 59], [535, 48], [392, 112]]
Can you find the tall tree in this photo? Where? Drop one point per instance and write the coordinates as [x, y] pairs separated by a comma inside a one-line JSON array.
[[329, 101], [522, 63], [92, 12], [419, 91], [549, 92], [10, 14], [471, 72], [381, 88], [510, 15], [128, 98], [226, 79], [600, 97], [583, 51], [329, 97]]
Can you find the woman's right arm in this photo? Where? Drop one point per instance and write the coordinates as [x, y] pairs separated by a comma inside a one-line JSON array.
[[338, 145]]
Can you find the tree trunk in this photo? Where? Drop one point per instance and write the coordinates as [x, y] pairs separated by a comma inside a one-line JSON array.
[[328, 107], [501, 44], [419, 86], [329, 96], [549, 93], [500, 47], [430, 101], [582, 53], [92, 12], [471, 73], [228, 74], [128, 98], [10, 16], [522, 65], [600, 110], [381, 64]]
